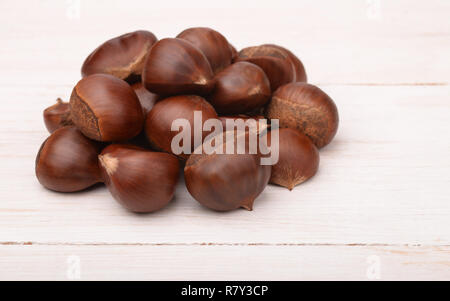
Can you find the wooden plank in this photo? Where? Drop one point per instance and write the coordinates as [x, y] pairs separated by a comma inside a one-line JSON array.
[[339, 41], [118, 262], [383, 180]]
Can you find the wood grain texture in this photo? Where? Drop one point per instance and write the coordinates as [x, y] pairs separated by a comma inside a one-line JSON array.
[[197, 262], [383, 186]]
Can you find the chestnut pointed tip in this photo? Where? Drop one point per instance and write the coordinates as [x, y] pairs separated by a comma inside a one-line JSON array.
[[109, 163], [248, 205]]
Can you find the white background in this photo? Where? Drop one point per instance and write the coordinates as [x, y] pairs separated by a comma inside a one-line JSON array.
[[379, 208]]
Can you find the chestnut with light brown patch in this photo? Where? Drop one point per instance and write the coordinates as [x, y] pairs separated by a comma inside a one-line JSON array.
[[306, 108], [122, 56], [105, 108]]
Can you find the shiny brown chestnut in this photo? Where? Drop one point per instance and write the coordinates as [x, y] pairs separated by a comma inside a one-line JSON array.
[[122, 56], [159, 120], [275, 62], [298, 158], [67, 161], [224, 181], [240, 88], [146, 98], [300, 73], [306, 108], [57, 116], [175, 66], [140, 180], [106, 108], [213, 45]]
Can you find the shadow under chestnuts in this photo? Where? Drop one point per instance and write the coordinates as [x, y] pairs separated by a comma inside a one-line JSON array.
[[139, 97]]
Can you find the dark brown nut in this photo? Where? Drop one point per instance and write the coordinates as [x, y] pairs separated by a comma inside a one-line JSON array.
[[67, 161], [306, 108], [159, 120], [275, 62], [298, 158], [213, 45], [300, 73], [140, 180], [57, 116], [175, 66], [105, 108], [122, 56], [224, 181], [240, 88], [146, 98]]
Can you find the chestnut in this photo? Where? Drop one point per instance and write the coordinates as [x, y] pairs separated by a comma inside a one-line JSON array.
[[226, 181], [298, 158], [146, 98], [67, 161], [275, 62], [122, 56], [57, 116], [306, 108], [240, 88], [140, 180], [300, 73], [159, 120], [175, 66], [244, 118], [106, 108], [213, 45]]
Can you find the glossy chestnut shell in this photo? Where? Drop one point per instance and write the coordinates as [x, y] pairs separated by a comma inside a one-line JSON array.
[[275, 62], [57, 116], [140, 180], [298, 158], [175, 66], [159, 120], [226, 182], [240, 88], [67, 161], [306, 108], [213, 45], [106, 108], [146, 98], [300, 73], [122, 56]]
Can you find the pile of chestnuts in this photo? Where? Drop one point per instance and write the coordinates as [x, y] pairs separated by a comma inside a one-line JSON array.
[[117, 127]]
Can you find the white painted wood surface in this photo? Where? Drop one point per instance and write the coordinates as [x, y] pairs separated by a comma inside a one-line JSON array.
[[381, 197]]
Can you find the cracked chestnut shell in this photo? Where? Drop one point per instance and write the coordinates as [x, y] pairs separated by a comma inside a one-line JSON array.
[[140, 180], [240, 88], [300, 73], [298, 158], [105, 108], [175, 66], [213, 45], [274, 61], [57, 116], [159, 120], [226, 182], [122, 56], [306, 108], [67, 161]]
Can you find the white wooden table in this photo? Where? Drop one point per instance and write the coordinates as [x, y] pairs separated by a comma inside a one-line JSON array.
[[379, 208]]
